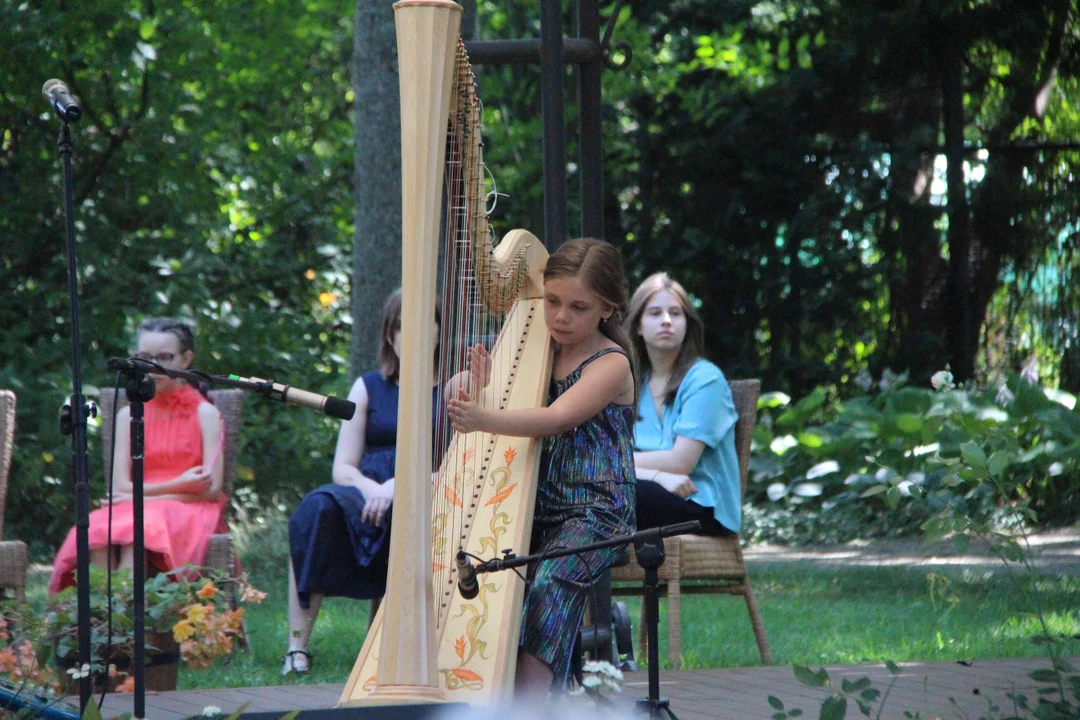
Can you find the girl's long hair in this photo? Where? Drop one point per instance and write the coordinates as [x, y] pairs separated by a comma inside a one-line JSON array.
[[693, 346], [389, 362], [600, 268]]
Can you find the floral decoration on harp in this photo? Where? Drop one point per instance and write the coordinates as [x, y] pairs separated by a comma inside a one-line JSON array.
[[469, 645], [500, 480]]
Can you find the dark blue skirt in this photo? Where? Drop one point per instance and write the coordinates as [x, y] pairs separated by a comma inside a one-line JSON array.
[[333, 551]]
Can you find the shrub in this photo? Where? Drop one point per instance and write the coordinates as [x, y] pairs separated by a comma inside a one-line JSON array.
[[827, 469]]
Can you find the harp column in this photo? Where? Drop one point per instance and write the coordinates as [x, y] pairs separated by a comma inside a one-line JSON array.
[[427, 36]]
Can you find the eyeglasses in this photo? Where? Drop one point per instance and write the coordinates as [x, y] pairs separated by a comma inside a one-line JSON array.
[[160, 358]]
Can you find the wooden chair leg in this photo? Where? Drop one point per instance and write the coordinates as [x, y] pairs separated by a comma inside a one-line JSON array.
[[757, 624], [674, 623]]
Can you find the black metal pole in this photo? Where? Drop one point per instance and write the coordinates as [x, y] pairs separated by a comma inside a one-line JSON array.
[[528, 51], [138, 445], [551, 104], [652, 608], [590, 150], [652, 535], [73, 421]]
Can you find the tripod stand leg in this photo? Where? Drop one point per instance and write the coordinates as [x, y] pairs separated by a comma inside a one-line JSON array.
[[654, 705]]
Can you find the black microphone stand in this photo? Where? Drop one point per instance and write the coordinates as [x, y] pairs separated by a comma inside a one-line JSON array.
[[140, 389], [649, 548], [73, 418]]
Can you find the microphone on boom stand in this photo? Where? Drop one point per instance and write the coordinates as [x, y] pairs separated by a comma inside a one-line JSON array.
[[467, 585], [335, 407]]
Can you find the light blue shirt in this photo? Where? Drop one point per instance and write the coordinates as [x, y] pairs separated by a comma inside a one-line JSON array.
[[703, 410]]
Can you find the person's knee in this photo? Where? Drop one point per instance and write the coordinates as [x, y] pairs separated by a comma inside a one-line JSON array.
[[317, 506]]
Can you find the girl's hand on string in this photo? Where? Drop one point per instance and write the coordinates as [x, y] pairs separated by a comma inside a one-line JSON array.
[[479, 367], [465, 415]]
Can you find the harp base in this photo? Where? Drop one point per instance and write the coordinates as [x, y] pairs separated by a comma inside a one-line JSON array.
[[398, 695]]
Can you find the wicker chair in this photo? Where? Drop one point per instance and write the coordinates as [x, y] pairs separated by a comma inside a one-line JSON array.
[[230, 403], [715, 564], [13, 557]]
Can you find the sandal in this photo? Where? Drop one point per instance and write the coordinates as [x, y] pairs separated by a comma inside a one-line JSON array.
[[290, 664]]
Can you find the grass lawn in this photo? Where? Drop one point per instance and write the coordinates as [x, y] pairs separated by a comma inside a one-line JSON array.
[[813, 616]]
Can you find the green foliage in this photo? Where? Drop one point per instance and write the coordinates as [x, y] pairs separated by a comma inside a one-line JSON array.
[[1053, 703], [212, 180], [194, 605], [831, 469], [781, 160], [777, 158]]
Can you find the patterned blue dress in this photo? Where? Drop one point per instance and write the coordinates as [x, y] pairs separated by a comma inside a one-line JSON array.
[[333, 551], [585, 494]]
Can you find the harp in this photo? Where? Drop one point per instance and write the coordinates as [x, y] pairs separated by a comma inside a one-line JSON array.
[[426, 643]]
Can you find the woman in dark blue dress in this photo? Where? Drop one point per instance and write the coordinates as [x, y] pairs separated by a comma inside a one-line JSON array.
[[339, 535]]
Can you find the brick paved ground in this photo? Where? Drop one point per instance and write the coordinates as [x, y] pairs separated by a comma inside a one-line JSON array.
[[930, 689]]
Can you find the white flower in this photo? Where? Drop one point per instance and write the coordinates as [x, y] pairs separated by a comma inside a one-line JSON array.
[[1030, 373], [77, 673], [211, 711], [603, 668], [1004, 395], [600, 678], [942, 380]]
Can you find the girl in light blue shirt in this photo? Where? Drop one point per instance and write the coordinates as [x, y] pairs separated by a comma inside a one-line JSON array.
[[684, 436]]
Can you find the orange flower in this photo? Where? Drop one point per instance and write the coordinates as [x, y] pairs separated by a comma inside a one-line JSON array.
[[466, 675], [252, 595], [459, 647], [7, 660], [207, 591], [452, 496], [501, 495], [128, 686], [509, 455]]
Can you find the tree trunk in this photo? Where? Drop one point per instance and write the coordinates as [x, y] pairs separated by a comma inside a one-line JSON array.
[[962, 329], [376, 176], [377, 171]]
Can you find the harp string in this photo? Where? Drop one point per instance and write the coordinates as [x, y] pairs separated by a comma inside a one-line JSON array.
[[475, 297]]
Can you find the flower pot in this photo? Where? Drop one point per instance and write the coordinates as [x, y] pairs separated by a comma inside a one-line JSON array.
[[161, 669]]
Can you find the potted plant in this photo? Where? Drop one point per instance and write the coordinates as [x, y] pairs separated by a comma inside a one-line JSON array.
[[191, 613]]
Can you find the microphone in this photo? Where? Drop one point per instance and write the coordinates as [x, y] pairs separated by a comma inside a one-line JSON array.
[[467, 586], [56, 93], [335, 407]]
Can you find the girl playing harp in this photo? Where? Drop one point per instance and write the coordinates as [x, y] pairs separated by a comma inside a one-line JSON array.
[[428, 643], [586, 487]]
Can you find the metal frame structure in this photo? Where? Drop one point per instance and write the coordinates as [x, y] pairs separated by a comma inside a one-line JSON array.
[[589, 52]]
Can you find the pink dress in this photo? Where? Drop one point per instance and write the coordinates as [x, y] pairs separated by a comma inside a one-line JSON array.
[[176, 532]]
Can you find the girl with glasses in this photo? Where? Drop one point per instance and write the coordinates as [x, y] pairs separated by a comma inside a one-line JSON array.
[[183, 470]]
